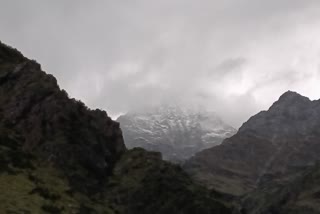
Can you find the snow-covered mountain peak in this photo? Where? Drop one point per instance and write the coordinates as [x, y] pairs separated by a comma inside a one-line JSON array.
[[177, 132]]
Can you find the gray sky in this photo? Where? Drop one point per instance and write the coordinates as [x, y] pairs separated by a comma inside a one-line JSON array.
[[233, 56]]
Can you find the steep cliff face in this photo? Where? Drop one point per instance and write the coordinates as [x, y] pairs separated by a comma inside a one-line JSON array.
[[176, 132], [269, 145], [59, 157], [62, 130]]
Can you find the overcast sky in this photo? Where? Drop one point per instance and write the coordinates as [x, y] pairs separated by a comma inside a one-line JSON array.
[[235, 57]]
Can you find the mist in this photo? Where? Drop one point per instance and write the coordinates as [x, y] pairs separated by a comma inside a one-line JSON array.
[[235, 57]]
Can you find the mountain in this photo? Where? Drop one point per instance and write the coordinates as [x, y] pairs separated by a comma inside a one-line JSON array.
[[299, 194], [61, 130], [59, 157], [176, 132], [273, 145]]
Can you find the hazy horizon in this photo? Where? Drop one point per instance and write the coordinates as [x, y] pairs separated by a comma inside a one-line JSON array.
[[233, 57]]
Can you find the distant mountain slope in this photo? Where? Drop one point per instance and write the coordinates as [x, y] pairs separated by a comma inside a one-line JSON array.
[[176, 132], [59, 157], [299, 194], [269, 145]]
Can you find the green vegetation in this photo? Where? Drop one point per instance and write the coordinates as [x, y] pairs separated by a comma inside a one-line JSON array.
[[30, 186], [25, 185], [141, 183]]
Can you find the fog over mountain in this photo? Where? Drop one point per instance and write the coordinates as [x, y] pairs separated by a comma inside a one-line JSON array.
[[178, 133], [123, 55]]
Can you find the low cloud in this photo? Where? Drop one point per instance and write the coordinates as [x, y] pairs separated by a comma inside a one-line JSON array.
[[235, 56]]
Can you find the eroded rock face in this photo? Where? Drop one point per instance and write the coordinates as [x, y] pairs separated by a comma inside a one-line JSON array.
[[62, 130], [270, 144]]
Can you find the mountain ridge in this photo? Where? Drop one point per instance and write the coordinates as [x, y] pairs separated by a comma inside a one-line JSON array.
[[33, 104], [270, 144], [177, 132], [59, 157]]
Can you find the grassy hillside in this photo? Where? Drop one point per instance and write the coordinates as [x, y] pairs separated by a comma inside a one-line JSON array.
[[141, 183]]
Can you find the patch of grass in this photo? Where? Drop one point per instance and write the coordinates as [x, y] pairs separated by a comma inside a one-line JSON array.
[[52, 209], [45, 193]]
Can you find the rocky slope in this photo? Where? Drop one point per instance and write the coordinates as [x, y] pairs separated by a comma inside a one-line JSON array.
[[269, 146], [57, 156], [297, 194], [176, 132], [61, 130]]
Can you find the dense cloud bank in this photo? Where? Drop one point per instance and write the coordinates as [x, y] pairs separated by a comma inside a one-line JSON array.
[[234, 56]]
